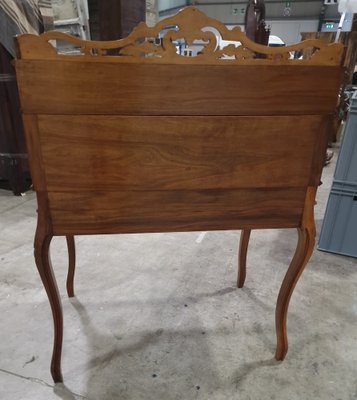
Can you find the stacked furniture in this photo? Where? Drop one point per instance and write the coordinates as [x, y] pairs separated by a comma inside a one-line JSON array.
[[15, 18], [14, 167], [339, 228]]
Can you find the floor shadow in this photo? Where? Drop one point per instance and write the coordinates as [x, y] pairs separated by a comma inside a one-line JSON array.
[[64, 393], [242, 374], [160, 362], [257, 300]]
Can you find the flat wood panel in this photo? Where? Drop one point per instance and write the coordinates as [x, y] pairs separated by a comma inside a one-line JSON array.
[[319, 152], [65, 87], [34, 152], [174, 210], [106, 152]]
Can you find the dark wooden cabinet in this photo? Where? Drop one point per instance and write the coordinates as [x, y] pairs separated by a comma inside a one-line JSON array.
[[114, 19], [14, 169]]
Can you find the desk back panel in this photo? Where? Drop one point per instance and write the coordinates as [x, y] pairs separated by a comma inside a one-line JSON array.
[[146, 144]]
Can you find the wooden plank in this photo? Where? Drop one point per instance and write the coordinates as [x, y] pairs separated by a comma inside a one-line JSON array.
[[34, 152], [137, 89], [319, 152], [109, 153], [174, 210]]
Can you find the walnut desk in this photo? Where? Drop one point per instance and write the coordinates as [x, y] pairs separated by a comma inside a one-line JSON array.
[[128, 136]]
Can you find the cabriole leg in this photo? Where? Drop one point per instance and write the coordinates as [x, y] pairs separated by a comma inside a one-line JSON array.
[[44, 267], [42, 243], [71, 265], [304, 249], [242, 256]]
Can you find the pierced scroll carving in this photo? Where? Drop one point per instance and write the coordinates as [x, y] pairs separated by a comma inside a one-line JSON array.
[[160, 43]]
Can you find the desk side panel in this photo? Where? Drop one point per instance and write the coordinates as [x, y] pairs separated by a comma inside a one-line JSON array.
[[33, 145]]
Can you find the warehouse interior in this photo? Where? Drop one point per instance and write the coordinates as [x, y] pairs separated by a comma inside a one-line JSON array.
[[159, 315]]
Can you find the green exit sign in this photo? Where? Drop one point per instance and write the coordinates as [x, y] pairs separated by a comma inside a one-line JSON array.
[[329, 25]]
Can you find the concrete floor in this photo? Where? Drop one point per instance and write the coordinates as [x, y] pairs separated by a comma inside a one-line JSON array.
[[157, 316]]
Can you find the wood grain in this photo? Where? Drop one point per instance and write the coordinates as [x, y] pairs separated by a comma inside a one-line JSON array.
[[112, 88], [174, 210], [177, 152], [34, 152]]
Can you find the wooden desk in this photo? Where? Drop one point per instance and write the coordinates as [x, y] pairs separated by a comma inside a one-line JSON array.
[[150, 141]]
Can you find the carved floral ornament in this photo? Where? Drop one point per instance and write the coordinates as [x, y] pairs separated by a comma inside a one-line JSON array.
[[159, 45]]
